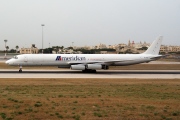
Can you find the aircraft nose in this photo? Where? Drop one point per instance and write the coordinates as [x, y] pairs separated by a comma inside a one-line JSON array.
[[7, 62]]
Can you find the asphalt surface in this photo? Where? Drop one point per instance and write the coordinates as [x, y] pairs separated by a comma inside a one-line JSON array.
[[137, 74]]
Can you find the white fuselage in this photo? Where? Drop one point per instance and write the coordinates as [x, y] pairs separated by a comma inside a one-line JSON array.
[[71, 59]]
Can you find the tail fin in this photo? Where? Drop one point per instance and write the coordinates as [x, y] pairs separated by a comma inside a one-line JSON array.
[[155, 47]]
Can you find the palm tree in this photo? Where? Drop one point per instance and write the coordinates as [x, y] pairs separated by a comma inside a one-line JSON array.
[[57, 49], [62, 47], [17, 47]]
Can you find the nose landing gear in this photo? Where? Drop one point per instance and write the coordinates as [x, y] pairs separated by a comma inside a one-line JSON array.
[[20, 69]]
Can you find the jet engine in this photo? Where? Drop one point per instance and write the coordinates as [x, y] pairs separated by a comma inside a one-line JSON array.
[[89, 66], [93, 66], [78, 67]]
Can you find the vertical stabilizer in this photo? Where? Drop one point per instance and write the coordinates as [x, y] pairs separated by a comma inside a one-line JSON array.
[[155, 47]]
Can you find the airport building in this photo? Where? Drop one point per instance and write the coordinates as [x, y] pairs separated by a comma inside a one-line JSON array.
[[32, 50]]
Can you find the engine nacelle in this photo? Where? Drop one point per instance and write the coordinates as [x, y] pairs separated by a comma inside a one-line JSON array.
[[97, 66], [89, 67], [78, 67], [94, 66]]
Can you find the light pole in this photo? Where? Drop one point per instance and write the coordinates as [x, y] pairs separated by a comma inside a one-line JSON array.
[[5, 48], [72, 44], [42, 37]]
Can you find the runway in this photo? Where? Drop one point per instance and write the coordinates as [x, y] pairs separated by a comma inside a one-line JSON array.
[[137, 74]]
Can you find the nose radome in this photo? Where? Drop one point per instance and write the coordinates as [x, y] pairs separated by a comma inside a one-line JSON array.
[[7, 62]]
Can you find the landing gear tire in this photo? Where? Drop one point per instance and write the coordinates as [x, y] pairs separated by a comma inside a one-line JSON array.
[[93, 71], [20, 70]]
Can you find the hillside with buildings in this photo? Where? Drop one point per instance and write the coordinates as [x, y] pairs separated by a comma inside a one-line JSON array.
[[122, 48]]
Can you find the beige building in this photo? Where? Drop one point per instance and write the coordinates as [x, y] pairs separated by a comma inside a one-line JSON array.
[[165, 48], [140, 45], [85, 47], [174, 48], [101, 46], [32, 50]]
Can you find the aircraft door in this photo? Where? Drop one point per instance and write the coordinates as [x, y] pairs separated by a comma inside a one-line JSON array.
[[25, 58]]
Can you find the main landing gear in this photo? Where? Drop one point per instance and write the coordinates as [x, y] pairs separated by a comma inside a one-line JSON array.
[[89, 71], [20, 69]]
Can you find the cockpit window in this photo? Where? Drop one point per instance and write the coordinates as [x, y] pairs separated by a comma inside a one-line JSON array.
[[15, 57]]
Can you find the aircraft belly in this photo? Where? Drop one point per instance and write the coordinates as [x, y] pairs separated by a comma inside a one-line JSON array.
[[131, 62]]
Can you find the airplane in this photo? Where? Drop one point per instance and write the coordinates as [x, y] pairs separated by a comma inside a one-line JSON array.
[[87, 62]]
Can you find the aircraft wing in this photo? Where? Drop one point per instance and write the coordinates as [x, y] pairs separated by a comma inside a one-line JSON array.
[[95, 62], [110, 62]]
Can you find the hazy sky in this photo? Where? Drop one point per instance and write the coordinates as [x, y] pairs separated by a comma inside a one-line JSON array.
[[88, 22]]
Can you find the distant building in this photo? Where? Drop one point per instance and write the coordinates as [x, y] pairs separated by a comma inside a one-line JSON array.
[[130, 47], [32, 50], [166, 49], [105, 52], [101, 46], [140, 45], [174, 48], [85, 47]]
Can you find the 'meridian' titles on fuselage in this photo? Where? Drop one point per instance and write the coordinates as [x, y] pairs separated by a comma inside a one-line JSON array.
[[76, 58]]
